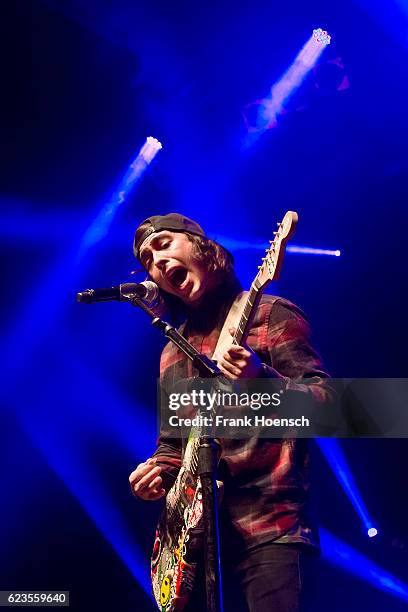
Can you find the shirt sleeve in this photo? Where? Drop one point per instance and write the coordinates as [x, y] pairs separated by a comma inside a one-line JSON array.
[[169, 450], [168, 454], [291, 354]]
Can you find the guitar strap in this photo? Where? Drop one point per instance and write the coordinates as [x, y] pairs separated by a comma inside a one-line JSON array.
[[232, 320]]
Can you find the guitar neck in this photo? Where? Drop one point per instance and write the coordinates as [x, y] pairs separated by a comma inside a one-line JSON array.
[[268, 271], [245, 322]]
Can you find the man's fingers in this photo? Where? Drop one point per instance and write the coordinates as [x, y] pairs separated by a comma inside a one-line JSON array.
[[225, 371], [146, 479], [141, 470], [229, 368], [155, 483], [240, 364], [237, 351], [153, 495], [146, 482], [227, 374]]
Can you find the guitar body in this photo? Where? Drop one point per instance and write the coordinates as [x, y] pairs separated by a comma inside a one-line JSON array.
[[178, 542]]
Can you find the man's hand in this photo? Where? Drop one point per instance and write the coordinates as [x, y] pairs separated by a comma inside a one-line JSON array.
[[146, 482], [240, 362]]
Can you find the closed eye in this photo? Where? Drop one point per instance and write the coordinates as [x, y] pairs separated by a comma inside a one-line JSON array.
[[157, 243], [146, 259]]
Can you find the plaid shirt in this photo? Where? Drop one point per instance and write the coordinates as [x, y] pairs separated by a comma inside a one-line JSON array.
[[266, 480]]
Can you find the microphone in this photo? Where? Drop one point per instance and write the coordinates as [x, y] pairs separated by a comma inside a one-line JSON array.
[[147, 290]]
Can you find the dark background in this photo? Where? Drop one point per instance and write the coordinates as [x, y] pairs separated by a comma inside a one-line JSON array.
[[83, 84]]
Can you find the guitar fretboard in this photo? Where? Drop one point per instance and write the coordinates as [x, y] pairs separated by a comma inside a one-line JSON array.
[[248, 312]]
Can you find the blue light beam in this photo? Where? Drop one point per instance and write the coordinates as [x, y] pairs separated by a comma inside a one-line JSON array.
[[270, 107], [342, 555], [41, 306], [241, 245], [334, 455], [48, 228], [100, 226], [304, 250], [90, 490], [63, 426]]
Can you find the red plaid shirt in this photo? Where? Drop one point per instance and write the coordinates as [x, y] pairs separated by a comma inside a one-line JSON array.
[[266, 480]]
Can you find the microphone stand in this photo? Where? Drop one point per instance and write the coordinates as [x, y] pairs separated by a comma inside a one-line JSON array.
[[207, 462]]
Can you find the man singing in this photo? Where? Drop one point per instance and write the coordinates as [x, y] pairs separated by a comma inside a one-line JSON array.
[[265, 530]]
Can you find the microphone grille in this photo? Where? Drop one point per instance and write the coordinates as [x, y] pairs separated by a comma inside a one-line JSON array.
[[152, 292]]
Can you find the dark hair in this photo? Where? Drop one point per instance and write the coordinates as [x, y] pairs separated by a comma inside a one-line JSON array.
[[214, 256]]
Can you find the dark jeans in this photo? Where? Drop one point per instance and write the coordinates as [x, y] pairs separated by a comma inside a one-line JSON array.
[[268, 577]]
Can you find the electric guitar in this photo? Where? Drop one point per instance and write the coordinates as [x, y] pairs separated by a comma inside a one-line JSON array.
[[179, 535]]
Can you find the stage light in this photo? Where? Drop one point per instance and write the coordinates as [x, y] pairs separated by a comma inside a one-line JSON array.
[[347, 558], [372, 532], [334, 455], [293, 248], [321, 36], [100, 226], [239, 245], [268, 109], [48, 299]]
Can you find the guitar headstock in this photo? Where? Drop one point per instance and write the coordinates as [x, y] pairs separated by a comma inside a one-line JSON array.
[[272, 262]]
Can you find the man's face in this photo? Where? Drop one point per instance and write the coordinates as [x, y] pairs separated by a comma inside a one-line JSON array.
[[171, 262]]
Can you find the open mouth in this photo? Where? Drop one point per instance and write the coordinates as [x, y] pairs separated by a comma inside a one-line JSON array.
[[177, 276]]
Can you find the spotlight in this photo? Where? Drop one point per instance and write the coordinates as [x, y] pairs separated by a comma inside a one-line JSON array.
[[321, 36], [238, 245], [264, 114], [293, 248], [333, 453], [345, 557], [101, 224]]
